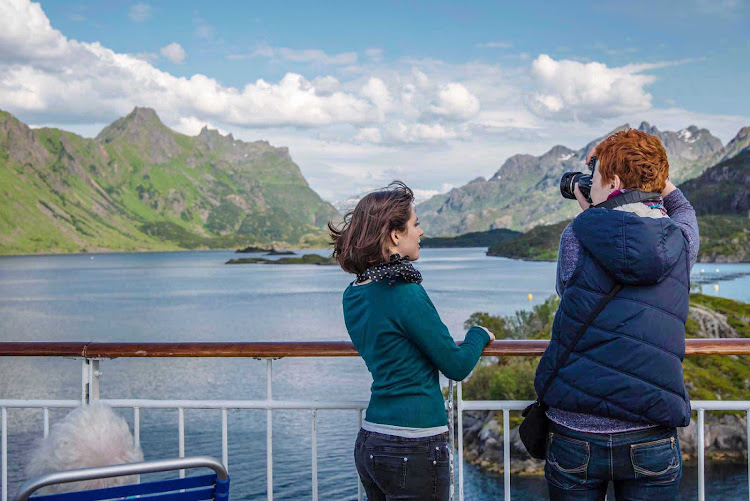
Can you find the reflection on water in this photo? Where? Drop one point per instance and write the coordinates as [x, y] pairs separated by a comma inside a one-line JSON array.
[[193, 296]]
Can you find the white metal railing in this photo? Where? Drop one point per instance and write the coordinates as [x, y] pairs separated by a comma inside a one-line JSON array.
[[90, 392]]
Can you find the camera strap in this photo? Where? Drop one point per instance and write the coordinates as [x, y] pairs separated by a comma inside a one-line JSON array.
[[629, 197]]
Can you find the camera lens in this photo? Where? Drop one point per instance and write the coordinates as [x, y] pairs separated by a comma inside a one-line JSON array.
[[568, 183]]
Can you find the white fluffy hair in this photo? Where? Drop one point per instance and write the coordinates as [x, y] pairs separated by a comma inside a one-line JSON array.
[[91, 435]]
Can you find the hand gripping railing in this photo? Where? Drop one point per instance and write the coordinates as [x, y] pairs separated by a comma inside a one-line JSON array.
[[92, 353], [33, 485]]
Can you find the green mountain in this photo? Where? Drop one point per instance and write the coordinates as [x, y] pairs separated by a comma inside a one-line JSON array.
[[139, 185], [525, 192], [722, 189], [540, 243], [478, 239]]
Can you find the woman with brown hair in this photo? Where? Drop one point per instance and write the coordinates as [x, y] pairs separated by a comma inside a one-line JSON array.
[[401, 451]]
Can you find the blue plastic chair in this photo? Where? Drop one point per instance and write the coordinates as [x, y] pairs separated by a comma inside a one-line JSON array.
[[204, 487]]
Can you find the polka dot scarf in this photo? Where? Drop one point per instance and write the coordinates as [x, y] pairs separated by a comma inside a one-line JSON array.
[[397, 267]]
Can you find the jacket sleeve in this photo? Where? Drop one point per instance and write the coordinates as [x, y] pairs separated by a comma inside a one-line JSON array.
[[422, 325], [682, 213]]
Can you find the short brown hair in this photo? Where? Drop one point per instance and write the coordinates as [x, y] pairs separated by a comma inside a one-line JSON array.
[[362, 240], [639, 159]]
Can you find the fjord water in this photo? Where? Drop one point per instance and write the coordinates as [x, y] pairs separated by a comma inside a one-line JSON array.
[[193, 296]]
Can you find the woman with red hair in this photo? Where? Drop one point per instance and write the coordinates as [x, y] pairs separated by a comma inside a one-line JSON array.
[[611, 377]]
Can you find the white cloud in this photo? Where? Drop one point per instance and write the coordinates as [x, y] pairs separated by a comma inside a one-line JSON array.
[[376, 91], [454, 101], [587, 91], [191, 126], [47, 76], [433, 123], [369, 135], [145, 56], [312, 56], [326, 86], [140, 12], [494, 45], [174, 52], [376, 55], [423, 195]]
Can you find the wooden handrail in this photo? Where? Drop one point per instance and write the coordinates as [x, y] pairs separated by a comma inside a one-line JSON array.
[[503, 348]]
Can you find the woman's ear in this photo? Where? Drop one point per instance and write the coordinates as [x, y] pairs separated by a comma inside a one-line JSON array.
[[394, 237], [616, 183]]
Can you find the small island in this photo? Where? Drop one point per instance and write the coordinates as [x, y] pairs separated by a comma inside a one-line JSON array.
[[250, 249], [274, 252], [306, 259]]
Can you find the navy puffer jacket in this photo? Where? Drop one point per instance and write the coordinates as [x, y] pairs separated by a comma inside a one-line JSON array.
[[628, 364]]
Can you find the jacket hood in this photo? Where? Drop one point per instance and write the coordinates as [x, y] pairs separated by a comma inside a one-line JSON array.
[[634, 250]]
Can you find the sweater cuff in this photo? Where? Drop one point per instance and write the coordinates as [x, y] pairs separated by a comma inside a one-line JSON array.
[[481, 332]]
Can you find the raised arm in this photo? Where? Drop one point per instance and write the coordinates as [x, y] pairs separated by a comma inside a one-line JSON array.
[[422, 325], [682, 213]]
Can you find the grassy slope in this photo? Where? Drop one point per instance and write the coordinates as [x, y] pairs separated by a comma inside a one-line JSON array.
[[80, 194], [538, 244], [475, 239]]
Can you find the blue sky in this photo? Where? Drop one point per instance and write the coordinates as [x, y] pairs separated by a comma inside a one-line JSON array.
[[435, 93]]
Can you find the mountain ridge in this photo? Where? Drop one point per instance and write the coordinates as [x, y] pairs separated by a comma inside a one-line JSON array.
[[524, 191], [140, 185]]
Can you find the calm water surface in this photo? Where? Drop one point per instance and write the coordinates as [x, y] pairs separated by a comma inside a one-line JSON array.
[[193, 296]]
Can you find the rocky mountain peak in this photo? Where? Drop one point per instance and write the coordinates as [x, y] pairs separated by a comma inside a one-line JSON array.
[[648, 128], [558, 153], [142, 129]]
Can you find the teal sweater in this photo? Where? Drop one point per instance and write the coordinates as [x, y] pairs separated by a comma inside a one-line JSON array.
[[398, 332]]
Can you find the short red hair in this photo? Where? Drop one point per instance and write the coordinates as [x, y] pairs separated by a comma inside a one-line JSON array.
[[639, 159]]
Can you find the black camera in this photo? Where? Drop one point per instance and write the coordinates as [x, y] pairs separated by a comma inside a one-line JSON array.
[[569, 180]]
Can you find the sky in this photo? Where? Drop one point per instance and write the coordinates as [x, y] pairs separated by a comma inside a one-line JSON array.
[[434, 93]]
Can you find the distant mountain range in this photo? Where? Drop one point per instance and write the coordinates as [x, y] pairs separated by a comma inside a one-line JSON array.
[[524, 192], [140, 185], [720, 196]]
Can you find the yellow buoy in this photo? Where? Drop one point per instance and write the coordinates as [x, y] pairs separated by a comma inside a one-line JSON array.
[[716, 287], [703, 270], [717, 270], [531, 296]]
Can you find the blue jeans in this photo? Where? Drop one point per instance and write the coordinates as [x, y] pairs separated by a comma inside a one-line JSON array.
[[643, 465], [403, 468]]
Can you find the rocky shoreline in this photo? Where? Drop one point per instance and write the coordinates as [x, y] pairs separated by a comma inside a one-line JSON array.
[[725, 438]]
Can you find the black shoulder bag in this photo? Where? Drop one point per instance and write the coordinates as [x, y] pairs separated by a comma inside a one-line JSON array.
[[533, 429]]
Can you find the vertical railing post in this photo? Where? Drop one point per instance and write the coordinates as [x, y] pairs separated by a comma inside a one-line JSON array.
[[747, 422], [137, 430], [360, 488], [94, 374], [46, 422], [137, 426], [89, 380], [701, 457], [181, 431], [224, 439], [506, 454], [4, 452], [460, 455], [269, 430], [451, 439], [84, 381], [315, 455]]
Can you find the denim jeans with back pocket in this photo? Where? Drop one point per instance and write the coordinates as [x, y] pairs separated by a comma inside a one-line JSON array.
[[393, 467], [643, 464]]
